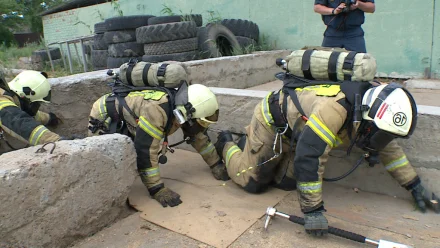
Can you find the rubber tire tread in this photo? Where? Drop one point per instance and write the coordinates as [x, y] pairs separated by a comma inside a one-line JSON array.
[[181, 57], [126, 22], [113, 63], [166, 32], [245, 41], [41, 54], [99, 42], [168, 47], [100, 28], [128, 49], [241, 27], [99, 58], [197, 18], [210, 33], [87, 48], [122, 36]]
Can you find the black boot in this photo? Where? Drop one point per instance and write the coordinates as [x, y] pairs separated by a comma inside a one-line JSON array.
[[223, 138]]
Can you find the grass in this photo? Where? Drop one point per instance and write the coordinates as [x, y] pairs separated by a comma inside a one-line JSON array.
[[263, 45], [9, 55], [9, 58]]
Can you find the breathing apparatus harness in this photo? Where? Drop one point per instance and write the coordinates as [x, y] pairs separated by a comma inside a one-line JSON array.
[[352, 103], [118, 123]]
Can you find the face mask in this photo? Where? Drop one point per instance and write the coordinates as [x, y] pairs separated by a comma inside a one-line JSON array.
[[31, 108], [371, 139], [192, 130]]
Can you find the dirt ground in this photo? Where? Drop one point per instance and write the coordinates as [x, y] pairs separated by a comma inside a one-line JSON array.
[[372, 215]]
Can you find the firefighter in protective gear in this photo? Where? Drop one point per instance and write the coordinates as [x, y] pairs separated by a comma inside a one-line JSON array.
[[292, 131], [22, 124], [195, 109]]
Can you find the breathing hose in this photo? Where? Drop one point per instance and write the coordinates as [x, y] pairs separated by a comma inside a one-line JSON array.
[[358, 163]]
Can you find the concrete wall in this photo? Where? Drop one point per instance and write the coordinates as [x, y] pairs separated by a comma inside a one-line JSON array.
[[403, 35], [53, 199]]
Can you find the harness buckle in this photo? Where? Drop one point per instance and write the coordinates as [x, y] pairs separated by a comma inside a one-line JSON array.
[[282, 130]]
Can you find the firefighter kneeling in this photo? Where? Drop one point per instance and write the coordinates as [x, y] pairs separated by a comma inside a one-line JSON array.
[[292, 131], [148, 116]]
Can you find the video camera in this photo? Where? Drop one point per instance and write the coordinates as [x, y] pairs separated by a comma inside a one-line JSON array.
[[348, 4]]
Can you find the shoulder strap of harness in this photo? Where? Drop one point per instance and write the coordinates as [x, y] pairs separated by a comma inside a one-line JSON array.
[[169, 114], [112, 113]]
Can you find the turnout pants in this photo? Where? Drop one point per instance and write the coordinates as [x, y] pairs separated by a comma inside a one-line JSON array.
[[245, 167]]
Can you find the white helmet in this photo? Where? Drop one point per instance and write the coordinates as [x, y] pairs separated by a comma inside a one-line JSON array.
[[390, 112], [202, 105], [32, 85], [391, 108]]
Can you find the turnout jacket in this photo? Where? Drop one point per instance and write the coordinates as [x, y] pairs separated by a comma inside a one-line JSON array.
[[19, 129], [147, 132], [318, 135]]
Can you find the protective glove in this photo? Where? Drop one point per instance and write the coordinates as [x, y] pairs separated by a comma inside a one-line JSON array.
[[424, 197], [219, 171], [167, 197], [316, 223], [53, 120]]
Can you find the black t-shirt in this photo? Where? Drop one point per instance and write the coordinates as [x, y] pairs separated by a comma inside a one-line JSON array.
[[343, 24]]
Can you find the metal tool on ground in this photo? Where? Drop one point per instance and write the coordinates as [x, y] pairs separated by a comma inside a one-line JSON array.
[[272, 212]]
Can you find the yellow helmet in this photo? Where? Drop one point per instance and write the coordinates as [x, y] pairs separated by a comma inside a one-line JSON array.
[[202, 105], [32, 85]]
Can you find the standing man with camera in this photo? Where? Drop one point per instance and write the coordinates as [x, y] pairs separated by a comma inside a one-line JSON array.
[[344, 19]]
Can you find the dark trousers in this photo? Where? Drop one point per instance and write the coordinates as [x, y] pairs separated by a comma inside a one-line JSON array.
[[356, 44]]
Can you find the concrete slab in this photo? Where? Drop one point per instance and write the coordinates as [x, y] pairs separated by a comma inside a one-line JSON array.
[[422, 84], [52, 199], [238, 72]]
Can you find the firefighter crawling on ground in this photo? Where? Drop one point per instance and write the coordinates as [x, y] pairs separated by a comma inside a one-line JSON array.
[[293, 130], [152, 113]]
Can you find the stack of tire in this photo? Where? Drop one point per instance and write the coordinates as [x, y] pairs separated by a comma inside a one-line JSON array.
[[40, 59], [246, 32], [170, 38], [120, 36], [99, 48]]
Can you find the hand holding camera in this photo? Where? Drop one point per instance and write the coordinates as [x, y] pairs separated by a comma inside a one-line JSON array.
[[345, 7]]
